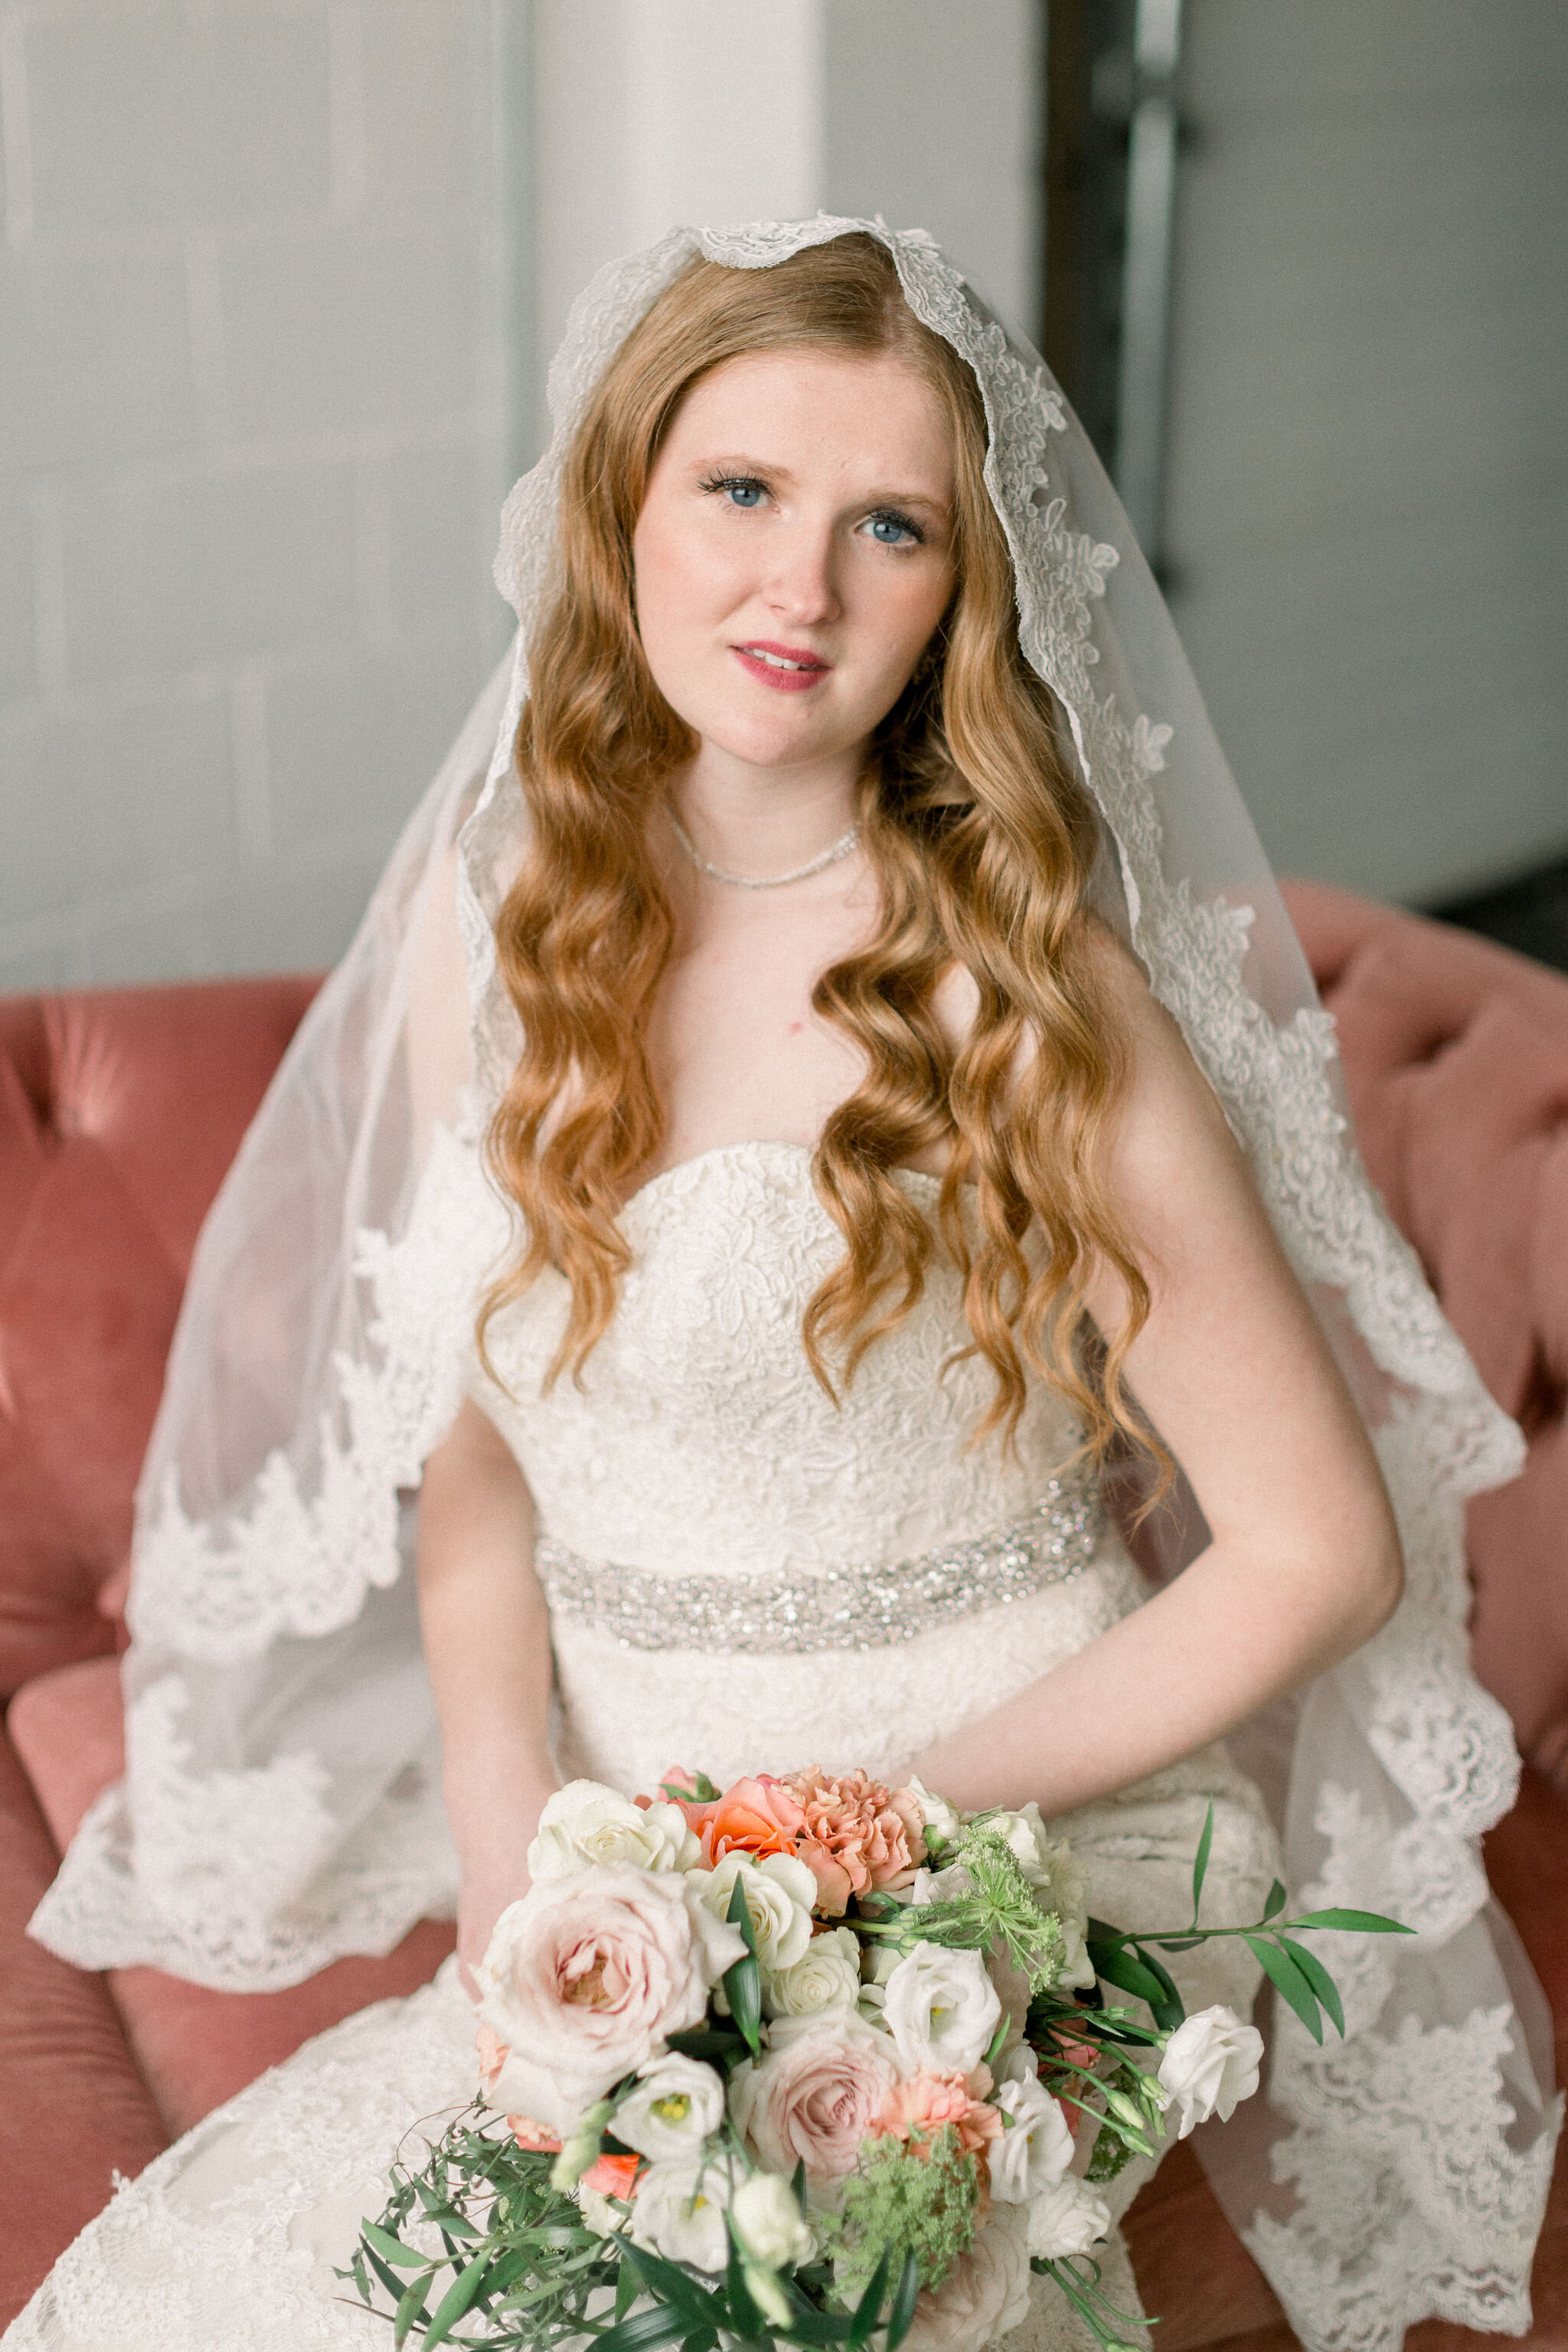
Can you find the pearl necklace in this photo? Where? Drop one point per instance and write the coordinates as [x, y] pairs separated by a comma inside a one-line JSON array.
[[839, 849]]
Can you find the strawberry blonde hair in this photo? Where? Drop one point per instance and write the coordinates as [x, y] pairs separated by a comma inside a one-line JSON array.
[[981, 839]]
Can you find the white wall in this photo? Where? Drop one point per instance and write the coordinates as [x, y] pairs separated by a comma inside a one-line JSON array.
[[1369, 485], [254, 370], [278, 281]]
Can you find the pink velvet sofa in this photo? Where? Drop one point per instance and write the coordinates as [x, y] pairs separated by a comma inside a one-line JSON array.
[[118, 1112]]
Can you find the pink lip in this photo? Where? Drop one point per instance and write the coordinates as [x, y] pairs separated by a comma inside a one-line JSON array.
[[788, 682]]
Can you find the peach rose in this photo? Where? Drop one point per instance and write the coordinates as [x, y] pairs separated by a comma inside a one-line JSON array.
[[985, 2295], [921, 2107], [856, 1835], [586, 1976], [816, 2092], [613, 2176]]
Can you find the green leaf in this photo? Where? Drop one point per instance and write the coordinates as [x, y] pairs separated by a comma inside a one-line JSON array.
[[818, 2328], [1118, 1968], [746, 2319], [410, 2307], [1180, 1943], [798, 2182], [1318, 1977], [1363, 1923], [393, 2250], [868, 2310], [396, 2287], [744, 1982], [705, 2042], [1282, 1970], [1171, 2010], [1201, 1861], [625, 2290], [1276, 1903], [644, 2331], [456, 2301], [901, 2315], [697, 2307]]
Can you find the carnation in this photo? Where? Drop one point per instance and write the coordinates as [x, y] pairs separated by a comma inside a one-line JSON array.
[[858, 1835], [928, 2103]]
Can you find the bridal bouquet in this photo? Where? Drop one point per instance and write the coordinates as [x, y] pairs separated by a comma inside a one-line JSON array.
[[808, 2060]]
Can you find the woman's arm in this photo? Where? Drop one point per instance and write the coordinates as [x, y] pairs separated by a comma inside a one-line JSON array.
[[486, 1643], [1234, 1372]]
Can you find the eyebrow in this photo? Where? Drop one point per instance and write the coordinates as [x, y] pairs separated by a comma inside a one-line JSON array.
[[737, 462]]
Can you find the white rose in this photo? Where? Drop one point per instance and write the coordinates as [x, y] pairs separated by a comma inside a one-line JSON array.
[[770, 2224], [942, 2010], [779, 1893], [1210, 2065], [1067, 2219], [675, 2104], [1036, 2146], [940, 1819], [827, 1976], [585, 1822], [679, 2211]]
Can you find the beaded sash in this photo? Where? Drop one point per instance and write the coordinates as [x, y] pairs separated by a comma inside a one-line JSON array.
[[856, 1607]]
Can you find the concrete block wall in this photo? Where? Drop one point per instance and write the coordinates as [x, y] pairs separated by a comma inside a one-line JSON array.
[[257, 357]]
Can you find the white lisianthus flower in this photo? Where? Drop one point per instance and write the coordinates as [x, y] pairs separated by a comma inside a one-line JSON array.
[[1019, 2065], [1067, 2219], [939, 1886], [779, 1893], [827, 1976], [680, 2207], [1023, 1832], [1211, 2063], [940, 1819], [770, 2227], [1061, 1882], [676, 2102], [1036, 2146], [584, 1822], [942, 2010]]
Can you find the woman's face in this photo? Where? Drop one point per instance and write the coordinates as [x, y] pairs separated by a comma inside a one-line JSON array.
[[794, 551]]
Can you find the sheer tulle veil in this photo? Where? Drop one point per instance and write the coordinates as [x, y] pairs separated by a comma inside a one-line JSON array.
[[280, 1805]]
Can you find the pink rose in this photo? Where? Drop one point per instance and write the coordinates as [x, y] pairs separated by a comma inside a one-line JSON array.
[[985, 2295], [856, 1835], [816, 2093], [923, 2105], [584, 1980]]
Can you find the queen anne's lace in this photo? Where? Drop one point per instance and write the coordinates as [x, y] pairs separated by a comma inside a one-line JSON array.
[[1417, 2166]]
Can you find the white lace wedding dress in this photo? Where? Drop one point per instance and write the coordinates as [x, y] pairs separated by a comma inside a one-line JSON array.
[[741, 1577]]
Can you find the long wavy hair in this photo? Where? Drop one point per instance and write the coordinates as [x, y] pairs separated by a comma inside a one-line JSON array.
[[981, 838]]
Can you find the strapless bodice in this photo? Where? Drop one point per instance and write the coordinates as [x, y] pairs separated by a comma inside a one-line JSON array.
[[698, 1442]]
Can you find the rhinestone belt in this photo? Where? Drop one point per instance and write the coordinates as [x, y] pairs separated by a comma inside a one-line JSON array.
[[850, 1608]]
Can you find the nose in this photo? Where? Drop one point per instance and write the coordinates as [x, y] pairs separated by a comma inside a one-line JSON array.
[[804, 587]]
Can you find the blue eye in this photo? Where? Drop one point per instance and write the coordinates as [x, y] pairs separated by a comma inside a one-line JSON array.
[[894, 531], [743, 494], [738, 489]]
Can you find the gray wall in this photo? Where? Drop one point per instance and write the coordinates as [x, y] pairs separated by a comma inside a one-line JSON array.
[[1368, 480]]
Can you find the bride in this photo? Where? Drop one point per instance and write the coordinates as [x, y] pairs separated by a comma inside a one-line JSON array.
[[779, 1156]]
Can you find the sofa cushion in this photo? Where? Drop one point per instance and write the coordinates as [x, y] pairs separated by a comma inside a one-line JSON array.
[[1456, 1057], [105, 1177], [195, 2047], [76, 2109]]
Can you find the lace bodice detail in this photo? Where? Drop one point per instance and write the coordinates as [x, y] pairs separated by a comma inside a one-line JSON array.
[[699, 1442]]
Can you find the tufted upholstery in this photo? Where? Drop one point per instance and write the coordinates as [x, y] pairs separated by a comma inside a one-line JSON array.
[[118, 1112]]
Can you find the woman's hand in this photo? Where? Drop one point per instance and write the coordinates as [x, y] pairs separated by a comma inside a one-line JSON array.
[[487, 1643]]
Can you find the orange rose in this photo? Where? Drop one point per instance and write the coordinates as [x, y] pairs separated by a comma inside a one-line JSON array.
[[613, 2176], [758, 1816]]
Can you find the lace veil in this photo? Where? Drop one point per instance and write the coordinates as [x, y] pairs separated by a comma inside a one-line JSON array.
[[281, 1806]]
